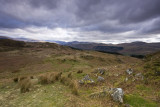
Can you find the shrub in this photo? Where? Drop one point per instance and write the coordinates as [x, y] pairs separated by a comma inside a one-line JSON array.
[[25, 85]]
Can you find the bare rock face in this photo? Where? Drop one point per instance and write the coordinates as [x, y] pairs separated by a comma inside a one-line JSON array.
[[117, 94], [129, 71]]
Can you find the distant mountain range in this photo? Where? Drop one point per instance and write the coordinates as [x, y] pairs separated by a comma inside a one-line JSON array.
[[134, 48]]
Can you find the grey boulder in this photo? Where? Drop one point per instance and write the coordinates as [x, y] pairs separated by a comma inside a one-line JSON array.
[[117, 94]]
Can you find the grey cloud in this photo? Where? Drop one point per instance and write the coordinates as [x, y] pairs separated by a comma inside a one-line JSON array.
[[154, 27], [105, 16], [49, 4]]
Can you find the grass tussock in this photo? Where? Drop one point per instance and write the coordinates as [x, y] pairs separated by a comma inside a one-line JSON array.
[[58, 76], [17, 79], [45, 79], [70, 75], [22, 78], [79, 71], [25, 85], [50, 78], [64, 80], [73, 85]]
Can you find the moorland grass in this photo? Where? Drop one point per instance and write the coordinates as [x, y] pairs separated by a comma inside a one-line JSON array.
[[138, 101]]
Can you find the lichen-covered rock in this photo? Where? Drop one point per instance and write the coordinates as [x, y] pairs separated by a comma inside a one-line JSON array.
[[129, 71], [86, 80], [117, 94], [100, 79], [100, 71]]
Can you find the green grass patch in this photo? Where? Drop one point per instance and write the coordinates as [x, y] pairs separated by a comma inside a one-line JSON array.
[[143, 88], [137, 101], [45, 96]]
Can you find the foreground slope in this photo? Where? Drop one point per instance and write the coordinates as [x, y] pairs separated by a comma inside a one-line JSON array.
[[35, 60]]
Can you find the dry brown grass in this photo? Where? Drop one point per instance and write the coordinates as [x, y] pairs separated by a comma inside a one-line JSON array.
[[58, 76], [22, 78], [80, 71], [49, 78], [45, 79], [25, 85], [70, 75], [64, 80], [74, 87]]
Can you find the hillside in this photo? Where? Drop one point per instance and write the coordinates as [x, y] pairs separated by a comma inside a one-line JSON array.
[[139, 48], [134, 48], [152, 68], [47, 74]]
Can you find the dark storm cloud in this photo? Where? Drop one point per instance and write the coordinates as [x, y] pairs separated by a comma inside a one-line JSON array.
[[126, 12], [112, 17], [49, 4], [7, 21]]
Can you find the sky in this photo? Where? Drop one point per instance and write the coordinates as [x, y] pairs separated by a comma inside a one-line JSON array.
[[105, 21]]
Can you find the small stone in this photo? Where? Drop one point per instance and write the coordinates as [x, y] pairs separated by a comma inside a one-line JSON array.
[[126, 79], [129, 71], [100, 79], [139, 76]]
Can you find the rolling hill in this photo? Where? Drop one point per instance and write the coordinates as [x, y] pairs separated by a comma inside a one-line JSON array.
[[134, 48], [48, 74]]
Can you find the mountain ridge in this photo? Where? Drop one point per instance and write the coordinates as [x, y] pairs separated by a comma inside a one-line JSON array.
[[133, 48]]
